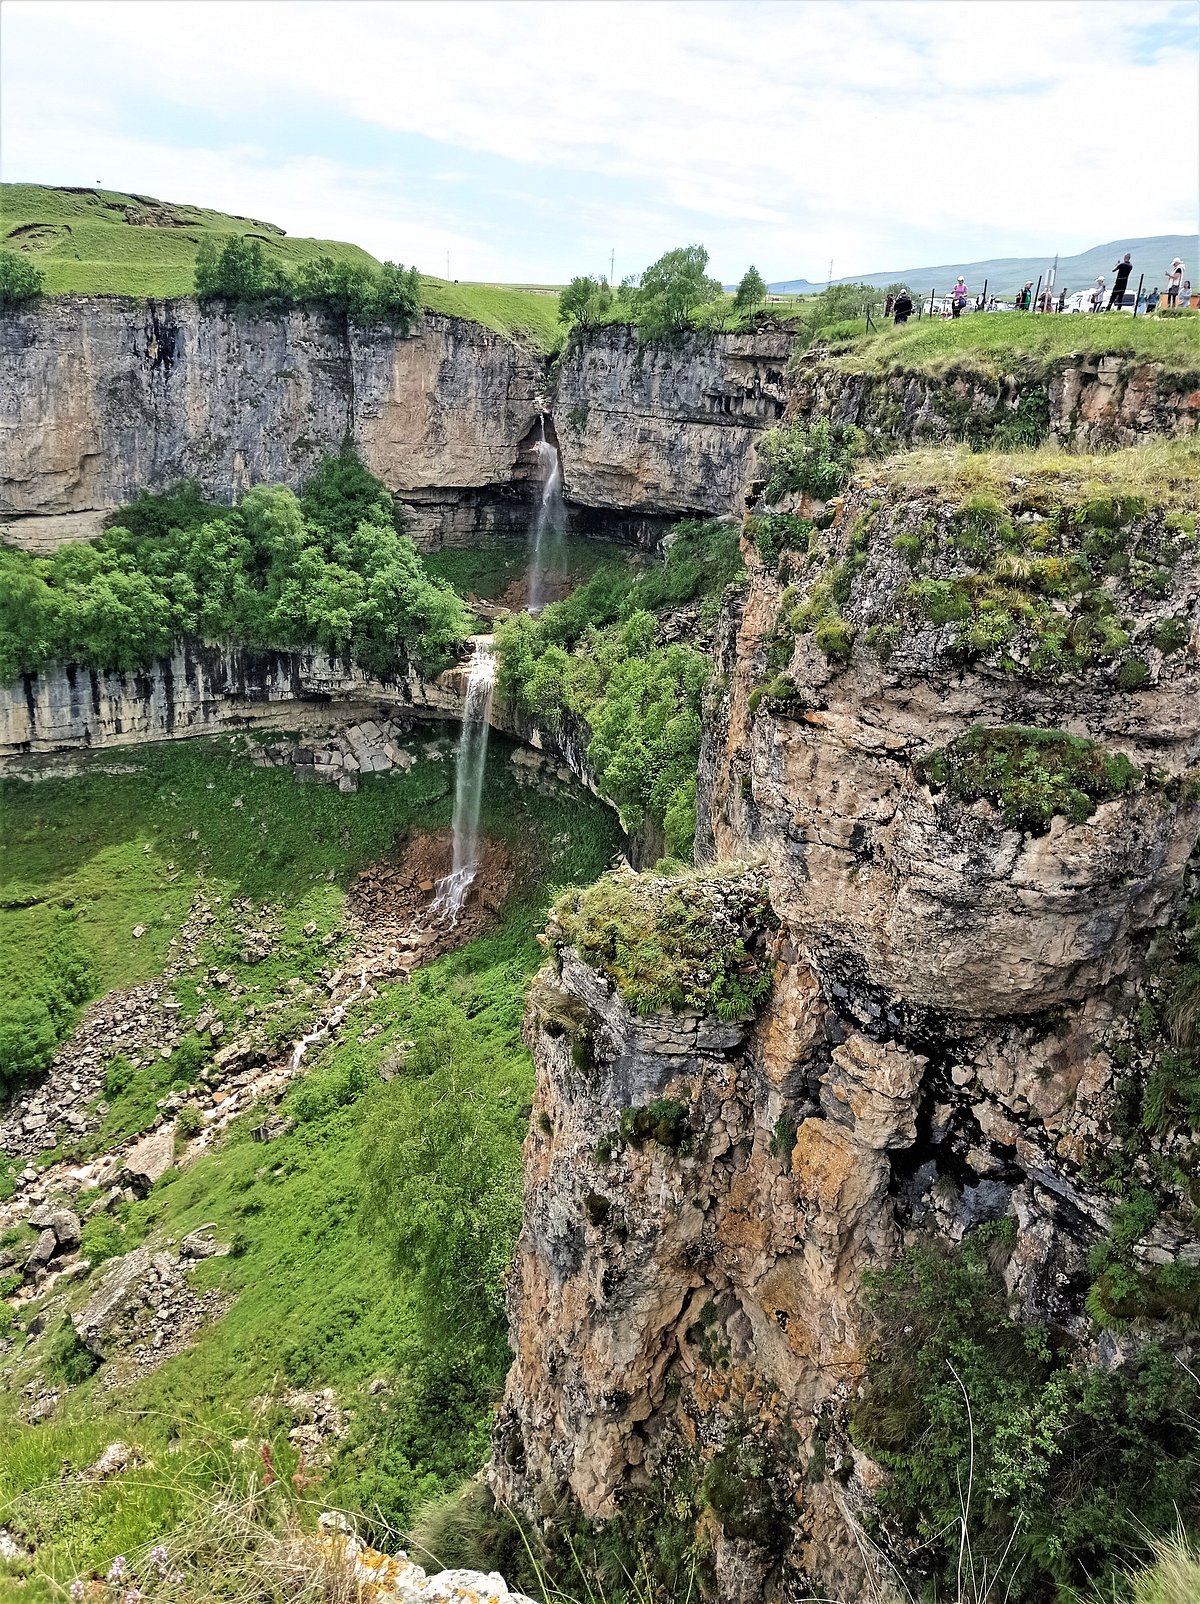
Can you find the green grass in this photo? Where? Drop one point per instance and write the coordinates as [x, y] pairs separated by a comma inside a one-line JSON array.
[[315, 1302], [84, 244], [991, 342]]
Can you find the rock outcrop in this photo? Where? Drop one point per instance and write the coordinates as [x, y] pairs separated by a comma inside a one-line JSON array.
[[667, 429], [951, 1017], [106, 397], [203, 690], [1088, 402]]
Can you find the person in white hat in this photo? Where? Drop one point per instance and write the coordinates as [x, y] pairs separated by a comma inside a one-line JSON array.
[[1174, 280]]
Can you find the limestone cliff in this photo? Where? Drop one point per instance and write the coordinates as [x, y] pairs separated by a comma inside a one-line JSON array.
[[105, 397], [1087, 402], [947, 1040], [667, 429]]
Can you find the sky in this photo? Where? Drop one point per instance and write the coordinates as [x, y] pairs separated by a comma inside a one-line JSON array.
[[527, 142]]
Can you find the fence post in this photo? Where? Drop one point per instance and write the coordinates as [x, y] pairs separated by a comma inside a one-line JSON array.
[[1137, 300], [932, 293], [983, 297], [1036, 294]]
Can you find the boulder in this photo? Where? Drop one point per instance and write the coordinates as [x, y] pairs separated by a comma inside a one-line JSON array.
[[148, 1161]]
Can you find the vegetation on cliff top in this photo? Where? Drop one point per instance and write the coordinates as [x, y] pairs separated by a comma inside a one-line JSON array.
[[1030, 774], [991, 342], [1043, 564], [103, 242], [330, 569], [696, 941]]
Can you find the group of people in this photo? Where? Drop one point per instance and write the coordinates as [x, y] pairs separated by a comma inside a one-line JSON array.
[[1178, 287], [900, 307]]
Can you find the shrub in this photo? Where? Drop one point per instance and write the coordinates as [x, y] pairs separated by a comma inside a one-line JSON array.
[[1030, 774], [20, 280], [27, 1039], [676, 943], [817, 459], [238, 270], [1074, 1465]]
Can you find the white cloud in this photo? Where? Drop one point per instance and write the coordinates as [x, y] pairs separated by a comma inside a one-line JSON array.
[[878, 133]]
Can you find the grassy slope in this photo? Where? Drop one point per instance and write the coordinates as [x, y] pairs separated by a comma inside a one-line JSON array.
[[315, 1304], [993, 341], [486, 572], [1166, 474], [84, 243]]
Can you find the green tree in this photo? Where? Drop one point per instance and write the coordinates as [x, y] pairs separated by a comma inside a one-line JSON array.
[[671, 290], [751, 292], [20, 280], [345, 288], [398, 295], [584, 301], [238, 270]]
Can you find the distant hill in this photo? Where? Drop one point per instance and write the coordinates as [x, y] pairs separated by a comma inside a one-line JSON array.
[[1005, 275], [106, 242]]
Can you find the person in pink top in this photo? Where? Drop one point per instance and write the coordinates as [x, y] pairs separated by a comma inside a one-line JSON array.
[[958, 296]]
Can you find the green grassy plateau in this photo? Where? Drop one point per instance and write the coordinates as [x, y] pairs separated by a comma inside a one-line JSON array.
[[103, 242], [993, 341]]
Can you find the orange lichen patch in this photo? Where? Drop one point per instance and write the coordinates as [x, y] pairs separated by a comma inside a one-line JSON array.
[[824, 1161]]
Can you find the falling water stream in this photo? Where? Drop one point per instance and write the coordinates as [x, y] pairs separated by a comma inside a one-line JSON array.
[[451, 890], [551, 514]]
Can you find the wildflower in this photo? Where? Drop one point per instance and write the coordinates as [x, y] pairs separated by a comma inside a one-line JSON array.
[[158, 1557], [117, 1570], [131, 1595], [76, 1591]]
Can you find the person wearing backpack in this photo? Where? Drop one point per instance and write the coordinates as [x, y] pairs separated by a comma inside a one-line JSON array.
[[958, 296]]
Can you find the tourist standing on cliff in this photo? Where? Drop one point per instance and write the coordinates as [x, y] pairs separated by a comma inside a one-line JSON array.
[[1096, 295], [1025, 299], [958, 296], [903, 308], [1174, 280], [1123, 269]]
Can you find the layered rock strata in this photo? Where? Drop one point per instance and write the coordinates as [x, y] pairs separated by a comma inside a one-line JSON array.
[[1088, 402], [952, 1013]]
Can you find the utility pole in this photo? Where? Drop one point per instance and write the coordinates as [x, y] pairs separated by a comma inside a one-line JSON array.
[[612, 267], [447, 264], [829, 280]]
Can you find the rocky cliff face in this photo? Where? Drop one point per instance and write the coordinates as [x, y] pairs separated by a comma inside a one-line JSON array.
[[944, 1043], [201, 690], [667, 430], [105, 397], [108, 397], [1088, 402]]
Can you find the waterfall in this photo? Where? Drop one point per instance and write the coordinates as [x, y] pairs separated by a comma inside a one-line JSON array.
[[551, 515], [452, 888]]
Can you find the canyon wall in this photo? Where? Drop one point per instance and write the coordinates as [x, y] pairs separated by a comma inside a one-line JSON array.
[[201, 690], [105, 397], [667, 429], [957, 1020], [1087, 402]]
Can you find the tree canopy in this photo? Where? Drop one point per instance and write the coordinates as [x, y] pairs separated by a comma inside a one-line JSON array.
[[328, 569], [751, 292], [239, 270], [671, 290]]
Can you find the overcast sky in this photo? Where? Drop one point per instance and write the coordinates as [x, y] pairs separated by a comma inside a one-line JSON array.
[[530, 140]]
